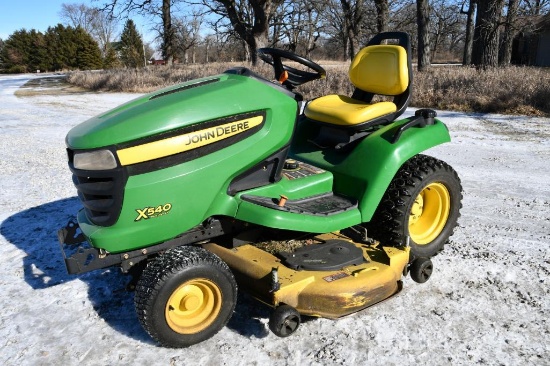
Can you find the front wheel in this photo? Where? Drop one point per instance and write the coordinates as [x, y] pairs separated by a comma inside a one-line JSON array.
[[423, 202], [185, 296]]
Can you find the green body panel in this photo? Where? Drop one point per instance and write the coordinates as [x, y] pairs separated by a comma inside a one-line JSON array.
[[366, 171], [194, 190]]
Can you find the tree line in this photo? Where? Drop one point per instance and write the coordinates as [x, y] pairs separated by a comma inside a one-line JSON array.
[[478, 32], [66, 47], [481, 31]]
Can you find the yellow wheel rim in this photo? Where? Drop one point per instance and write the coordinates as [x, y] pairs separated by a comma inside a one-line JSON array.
[[193, 306], [429, 213]]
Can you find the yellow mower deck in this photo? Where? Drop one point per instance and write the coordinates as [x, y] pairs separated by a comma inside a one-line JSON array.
[[328, 294]]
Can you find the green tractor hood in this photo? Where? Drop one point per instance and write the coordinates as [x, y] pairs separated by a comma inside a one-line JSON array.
[[173, 108]]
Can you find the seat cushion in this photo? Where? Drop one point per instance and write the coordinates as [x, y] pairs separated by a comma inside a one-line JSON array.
[[345, 111]]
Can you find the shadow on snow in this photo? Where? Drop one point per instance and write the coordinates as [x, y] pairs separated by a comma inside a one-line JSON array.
[[34, 231]]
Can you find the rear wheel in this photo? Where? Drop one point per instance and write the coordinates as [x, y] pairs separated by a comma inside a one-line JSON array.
[[185, 296], [423, 202]]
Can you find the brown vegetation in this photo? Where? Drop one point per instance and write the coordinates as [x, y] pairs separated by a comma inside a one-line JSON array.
[[510, 90]]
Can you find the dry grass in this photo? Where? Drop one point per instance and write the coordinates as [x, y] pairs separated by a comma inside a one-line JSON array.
[[511, 90], [142, 80]]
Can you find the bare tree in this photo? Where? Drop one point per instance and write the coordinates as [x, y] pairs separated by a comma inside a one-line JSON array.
[[510, 28], [100, 25], [299, 25], [187, 36], [447, 27], [470, 24], [535, 7], [333, 25], [486, 34], [78, 15], [382, 15], [403, 17], [423, 21], [154, 8], [353, 12], [248, 19]]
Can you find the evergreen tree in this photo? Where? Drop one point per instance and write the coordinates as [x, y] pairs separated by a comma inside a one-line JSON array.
[[15, 52], [70, 48], [62, 47], [24, 51], [131, 46], [111, 61], [38, 57], [1, 55], [88, 54]]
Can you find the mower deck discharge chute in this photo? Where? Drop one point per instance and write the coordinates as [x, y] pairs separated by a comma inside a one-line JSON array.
[[227, 180]]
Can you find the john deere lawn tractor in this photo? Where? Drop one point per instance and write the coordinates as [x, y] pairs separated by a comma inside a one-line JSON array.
[[316, 209]]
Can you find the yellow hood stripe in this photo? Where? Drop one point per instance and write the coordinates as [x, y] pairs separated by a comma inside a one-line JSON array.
[[189, 141]]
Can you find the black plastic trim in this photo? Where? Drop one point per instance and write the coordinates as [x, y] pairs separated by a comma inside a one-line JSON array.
[[263, 173], [422, 118], [100, 191], [85, 258], [333, 255]]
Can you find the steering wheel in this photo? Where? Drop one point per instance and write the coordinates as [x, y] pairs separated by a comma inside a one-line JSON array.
[[296, 77]]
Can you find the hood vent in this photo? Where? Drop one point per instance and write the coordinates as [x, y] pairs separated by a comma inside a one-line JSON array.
[[185, 87]]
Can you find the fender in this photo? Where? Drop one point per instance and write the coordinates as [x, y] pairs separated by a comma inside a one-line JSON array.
[[365, 172]]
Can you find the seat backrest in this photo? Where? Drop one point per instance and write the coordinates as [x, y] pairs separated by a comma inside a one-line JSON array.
[[384, 69], [380, 69]]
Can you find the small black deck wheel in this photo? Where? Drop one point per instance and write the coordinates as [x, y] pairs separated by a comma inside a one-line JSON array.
[[421, 269], [284, 320]]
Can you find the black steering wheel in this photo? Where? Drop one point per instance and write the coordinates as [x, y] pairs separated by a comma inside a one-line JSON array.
[[296, 77]]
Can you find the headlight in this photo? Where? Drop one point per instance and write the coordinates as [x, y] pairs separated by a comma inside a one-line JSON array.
[[94, 160]]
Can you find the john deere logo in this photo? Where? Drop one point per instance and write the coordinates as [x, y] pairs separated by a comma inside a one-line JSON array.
[[217, 133], [178, 144], [152, 212]]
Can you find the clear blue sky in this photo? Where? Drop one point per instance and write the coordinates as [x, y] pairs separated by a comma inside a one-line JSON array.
[[41, 14]]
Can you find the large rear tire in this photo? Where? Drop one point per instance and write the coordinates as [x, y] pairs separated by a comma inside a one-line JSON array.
[[185, 296], [423, 202]]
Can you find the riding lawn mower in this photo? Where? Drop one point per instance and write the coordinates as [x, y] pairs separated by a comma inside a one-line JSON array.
[[316, 209]]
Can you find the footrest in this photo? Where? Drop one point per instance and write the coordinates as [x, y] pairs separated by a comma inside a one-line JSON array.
[[321, 205]]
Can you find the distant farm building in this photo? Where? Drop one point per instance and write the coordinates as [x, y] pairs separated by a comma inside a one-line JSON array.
[[532, 46], [157, 59]]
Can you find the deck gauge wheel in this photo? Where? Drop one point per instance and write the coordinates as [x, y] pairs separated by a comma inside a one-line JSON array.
[[421, 269], [284, 320]]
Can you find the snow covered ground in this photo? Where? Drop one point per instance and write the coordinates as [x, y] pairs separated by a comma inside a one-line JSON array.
[[487, 302]]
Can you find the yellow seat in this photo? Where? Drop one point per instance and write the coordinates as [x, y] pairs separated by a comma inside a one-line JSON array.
[[376, 70]]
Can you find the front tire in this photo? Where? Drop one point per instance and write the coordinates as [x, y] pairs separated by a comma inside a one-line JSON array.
[[422, 202], [185, 296]]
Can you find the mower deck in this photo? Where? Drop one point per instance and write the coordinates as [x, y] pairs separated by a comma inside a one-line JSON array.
[[322, 293]]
